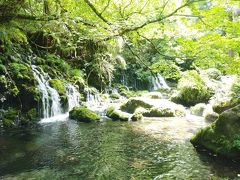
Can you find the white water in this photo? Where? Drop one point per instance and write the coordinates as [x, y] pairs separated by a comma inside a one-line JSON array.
[[51, 105], [74, 97], [158, 82], [51, 109]]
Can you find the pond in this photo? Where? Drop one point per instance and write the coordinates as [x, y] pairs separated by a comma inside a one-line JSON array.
[[151, 149]]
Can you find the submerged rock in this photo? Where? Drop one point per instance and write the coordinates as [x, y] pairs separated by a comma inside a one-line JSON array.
[[116, 114], [222, 136], [83, 114], [153, 107]]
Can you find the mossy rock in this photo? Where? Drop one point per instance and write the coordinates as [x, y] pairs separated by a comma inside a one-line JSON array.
[[211, 116], [133, 103], [21, 71], [137, 117], [159, 112], [83, 114], [222, 136], [154, 95], [58, 85], [198, 109], [114, 96], [116, 114], [213, 73], [164, 112], [191, 90]]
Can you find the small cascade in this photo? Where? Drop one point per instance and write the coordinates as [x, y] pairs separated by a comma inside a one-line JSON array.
[[94, 101], [158, 82], [51, 105], [74, 97]]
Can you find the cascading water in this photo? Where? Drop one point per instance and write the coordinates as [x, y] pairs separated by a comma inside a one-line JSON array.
[[74, 97], [51, 109], [158, 82], [51, 105]]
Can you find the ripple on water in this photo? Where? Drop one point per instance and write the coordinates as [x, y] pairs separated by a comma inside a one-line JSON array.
[[152, 149]]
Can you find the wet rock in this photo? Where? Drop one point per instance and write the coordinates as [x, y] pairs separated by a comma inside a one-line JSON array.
[[116, 114], [153, 95], [191, 90], [137, 117], [83, 114], [222, 136], [198, 109], [153, 107]]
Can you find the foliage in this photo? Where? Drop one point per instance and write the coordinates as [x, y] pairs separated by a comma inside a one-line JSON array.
[[192, 90], [168, 69]]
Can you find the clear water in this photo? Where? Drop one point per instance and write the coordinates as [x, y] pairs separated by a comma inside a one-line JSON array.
[[109, 150]]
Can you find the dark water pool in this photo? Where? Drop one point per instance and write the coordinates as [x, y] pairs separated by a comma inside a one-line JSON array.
[[107, 150]]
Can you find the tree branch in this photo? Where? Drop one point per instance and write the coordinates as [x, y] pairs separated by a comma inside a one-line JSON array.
[[96, 12]]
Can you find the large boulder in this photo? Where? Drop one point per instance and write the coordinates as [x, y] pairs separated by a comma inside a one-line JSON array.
[[116, 114], [191, 90], [222, 136], [224, 97], [153, 107], [83, 114]]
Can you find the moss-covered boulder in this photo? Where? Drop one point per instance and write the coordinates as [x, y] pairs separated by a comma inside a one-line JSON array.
[[222, 136], [198, 109], [211, 116], [153, 95], [191, 90], [137, 117], [133, 103], [115, 114], [83, 114], [212, 73], [153, 107], [115, 96]]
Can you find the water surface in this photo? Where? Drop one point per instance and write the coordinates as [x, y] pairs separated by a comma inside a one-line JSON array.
[[153, 149]]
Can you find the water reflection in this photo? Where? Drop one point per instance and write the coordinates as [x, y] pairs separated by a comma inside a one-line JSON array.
[[152, 149]]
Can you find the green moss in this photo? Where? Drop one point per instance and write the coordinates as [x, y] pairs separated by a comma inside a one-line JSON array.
[[116, 114], [198, 109], [115, 96], [2, 69], [9, 118], [58, 85], [192, 90], [32, 114], [21, 71], [222, 136], [136, 117], [132, 104], [83, 114], [159, 112]]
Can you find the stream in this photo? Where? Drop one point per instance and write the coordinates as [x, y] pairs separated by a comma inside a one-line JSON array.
[[150, 149]]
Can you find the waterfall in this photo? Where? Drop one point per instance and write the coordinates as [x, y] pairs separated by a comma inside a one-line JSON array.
[[158, 82], [51, 109], [51, 105], [94, 101], [74, 97]]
